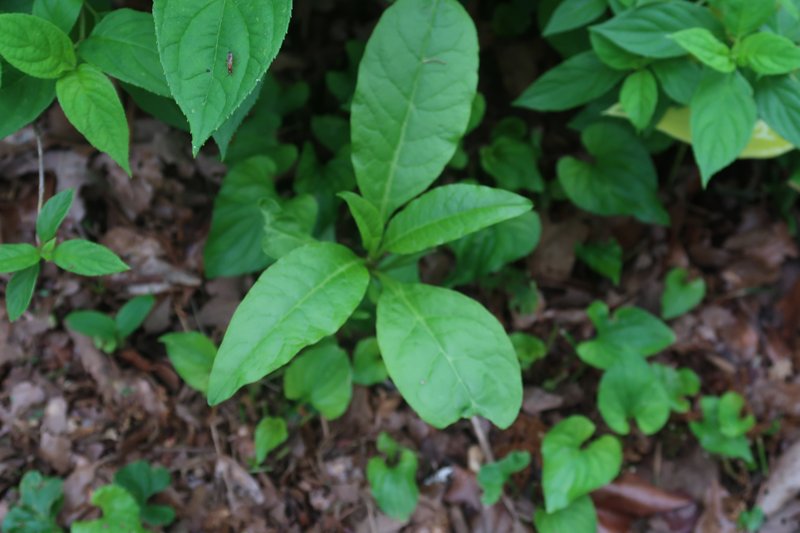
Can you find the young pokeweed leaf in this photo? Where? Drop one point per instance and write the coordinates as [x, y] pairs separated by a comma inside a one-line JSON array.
[[53, 214], [368, 220]]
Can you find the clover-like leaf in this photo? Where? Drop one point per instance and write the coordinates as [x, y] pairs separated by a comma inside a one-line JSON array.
[[732, 442], [492, 476], [681, 295], [120, 512], [39, 505], [143, 481], [393, 481], [678, 384]]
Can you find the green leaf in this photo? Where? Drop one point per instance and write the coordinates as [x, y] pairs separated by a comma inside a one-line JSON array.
[[615, 56], [579, 517], [741, 17], [621, 180], [16, 257], [769, 54], [192, 354], [638, 97], [722, 120], [751, 520], [163, 108], [35, 46], [143, 482], [577, 81], [368, 220], [133, 314], [604, 258], [631, 389], [62, 13], [703, 45], [709, 430], [194, 41], [92, 105], [123, 45], [681, 295], [728, 409], [40, 501], [513, 164], [288, 225], [571, 14], [412, 104], [488, 250], [646, 30], [223, 136], [529, 348], [19, 291], [449, 357], [631, 330], [679, 77], [22, 100], [572, 470], [100, 327], [305, 296], [53, 213], [270, 433], [678, 384], [778, 101], [237, 224], [332, 131], [492, 476], [87, 258], [120, 513], [321, 376], [448, 213], [368, 367], [394, 487]]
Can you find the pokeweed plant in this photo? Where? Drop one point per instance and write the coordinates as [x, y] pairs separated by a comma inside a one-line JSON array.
[[74, 255], [448, 356], [110, 333]]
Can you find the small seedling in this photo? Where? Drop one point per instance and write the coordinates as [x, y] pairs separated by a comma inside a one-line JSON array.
[[192, 354], [110, 333], [681, 294], [270, 433], [393, 480], [38, 507], [493, 476], [722, 430], [120, 513], [143, 482]]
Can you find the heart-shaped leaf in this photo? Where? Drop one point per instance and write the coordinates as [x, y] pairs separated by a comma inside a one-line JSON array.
[[678, 384], [579, 517], [394, 487], [492, 476], [120, 512], [709, 430], [680, 294]]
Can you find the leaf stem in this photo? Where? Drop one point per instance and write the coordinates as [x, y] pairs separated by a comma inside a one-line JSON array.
[[40, 154]]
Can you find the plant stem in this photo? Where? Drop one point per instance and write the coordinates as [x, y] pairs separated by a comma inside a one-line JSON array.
[[39, 151]]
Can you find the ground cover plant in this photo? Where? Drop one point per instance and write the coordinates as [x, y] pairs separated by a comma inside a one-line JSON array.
[[399, 265]]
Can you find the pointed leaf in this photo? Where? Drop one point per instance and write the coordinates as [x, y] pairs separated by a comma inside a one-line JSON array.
[[87, 258], [639, 97], [288, 225], [778, 101], [94, 324], [19, 291], [492, 476], [321, 376], [703, 45], [270, 433], [681, 295], [744, 16], [16, 257], [571, 14], [22, 99], [62, 13], [35, 46], [192, 354], [368, 220], [133, 314], [53, 213], [769, 54]]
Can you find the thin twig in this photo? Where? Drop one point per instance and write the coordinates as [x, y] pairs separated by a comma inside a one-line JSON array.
[[483, 442], [41, 168]]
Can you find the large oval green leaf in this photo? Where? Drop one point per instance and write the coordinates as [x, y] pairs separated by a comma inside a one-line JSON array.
[[306, 295], [413, 99], [195, 38], [449, 357], [35, 46], [448, 213]]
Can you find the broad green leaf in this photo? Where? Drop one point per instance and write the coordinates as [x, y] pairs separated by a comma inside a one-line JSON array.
[[393, 484], [288, 225], [98, 326], [192, 354], [19, 291], [615, 56], [571, 14], [368, 367], [572, 470], [53, 213], [237, 224], [778, 101], [448, 213], [703, 45], [741, 17], [645, 30], [488, 250], [195, 39], [529, 349], [722, 120], [620, 180], [37, 510], [16, 257], [631, 330], [143, 481], [120, 513], [62, 13], [368, 220], [513, 164], [709, 431], [35, 46], [305, 296], [321, 376], [87, 258], [577, 81], [639, 97], [769, 54], [680, 294], [223, 136], [678, 384], [92, 105], [678, 77], [270, 433], [412, 104], [631, 389], [160, 107], [448, 356], [729, 407], [123, 45], [133, 314], [22, 99], [492, 476], [579, 517], [603, 257]]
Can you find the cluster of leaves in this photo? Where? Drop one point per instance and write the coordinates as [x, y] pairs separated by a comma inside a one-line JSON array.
[[124, 503], [109, 333]]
